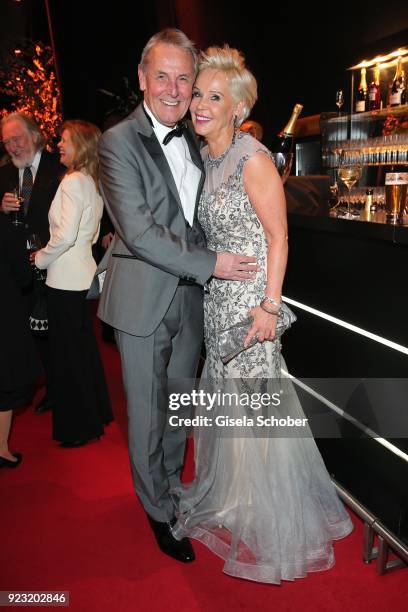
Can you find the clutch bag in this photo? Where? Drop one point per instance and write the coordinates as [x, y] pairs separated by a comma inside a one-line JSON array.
[[38, 318], [95, 289], [231, 339]]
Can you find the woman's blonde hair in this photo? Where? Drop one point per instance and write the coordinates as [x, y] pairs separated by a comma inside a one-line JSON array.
[[85, 137], [241, 82]]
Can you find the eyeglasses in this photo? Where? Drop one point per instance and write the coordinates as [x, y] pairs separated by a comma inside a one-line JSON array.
[[14, 140]]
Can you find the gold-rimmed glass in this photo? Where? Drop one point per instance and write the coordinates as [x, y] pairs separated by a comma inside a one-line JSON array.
[[349, 172]]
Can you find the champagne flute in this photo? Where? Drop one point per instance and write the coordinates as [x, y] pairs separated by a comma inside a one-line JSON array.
[[18, 215], [339, 100], [34, 244], [349, 173]]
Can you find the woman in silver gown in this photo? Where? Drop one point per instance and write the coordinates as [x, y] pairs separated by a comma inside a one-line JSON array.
[[262, 499]]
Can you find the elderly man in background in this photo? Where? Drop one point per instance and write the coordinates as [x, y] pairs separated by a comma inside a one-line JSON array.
[[36, 173]]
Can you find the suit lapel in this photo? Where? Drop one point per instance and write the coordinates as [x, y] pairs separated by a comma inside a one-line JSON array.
[[194, 151], [153, 147], [196, 159], [12, 179], [42, 179]]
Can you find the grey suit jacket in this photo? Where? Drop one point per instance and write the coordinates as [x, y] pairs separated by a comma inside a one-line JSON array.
[[154, 246]]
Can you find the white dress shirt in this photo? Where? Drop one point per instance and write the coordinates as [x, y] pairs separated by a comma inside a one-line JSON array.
[[185, 173], [34, 168]]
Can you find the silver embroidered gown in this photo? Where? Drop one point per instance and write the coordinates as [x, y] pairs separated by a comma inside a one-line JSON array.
[[262, 499]]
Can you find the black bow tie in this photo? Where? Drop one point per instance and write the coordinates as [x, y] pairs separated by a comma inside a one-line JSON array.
[[178, 131]]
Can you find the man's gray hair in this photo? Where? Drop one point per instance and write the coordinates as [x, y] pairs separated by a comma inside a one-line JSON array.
[[169, 36], [29, 123]]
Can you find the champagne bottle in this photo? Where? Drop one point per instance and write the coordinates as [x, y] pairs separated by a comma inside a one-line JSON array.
[[361, 97], [283, 141], [374, 91], [398, 89]]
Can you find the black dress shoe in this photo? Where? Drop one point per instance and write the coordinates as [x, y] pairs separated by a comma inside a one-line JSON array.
[[179, 550], [7, 463], [43, 405]]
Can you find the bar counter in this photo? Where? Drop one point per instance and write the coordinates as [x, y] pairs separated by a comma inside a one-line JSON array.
[[354, 270], [347, 283], [371, 225]]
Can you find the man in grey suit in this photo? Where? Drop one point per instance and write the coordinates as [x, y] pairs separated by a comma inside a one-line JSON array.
[[151, 179]]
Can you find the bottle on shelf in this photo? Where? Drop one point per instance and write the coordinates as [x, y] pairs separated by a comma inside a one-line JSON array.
[[361, 97], [398, 87], [283, 141], [374, 91], [369, 200]]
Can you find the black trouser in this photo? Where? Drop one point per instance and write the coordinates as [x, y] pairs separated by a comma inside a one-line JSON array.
[[79, 392]]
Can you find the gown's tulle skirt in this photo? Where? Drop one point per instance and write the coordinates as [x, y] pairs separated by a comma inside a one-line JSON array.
[[262, 499]]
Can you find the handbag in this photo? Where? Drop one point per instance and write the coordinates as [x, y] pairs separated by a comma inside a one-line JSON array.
[[95, 289], [38, 319], [231, 339]]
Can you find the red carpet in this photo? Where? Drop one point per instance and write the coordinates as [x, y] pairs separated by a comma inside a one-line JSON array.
[[70, 521]]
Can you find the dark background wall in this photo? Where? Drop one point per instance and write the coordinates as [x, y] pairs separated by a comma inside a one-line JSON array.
[[299, 53]]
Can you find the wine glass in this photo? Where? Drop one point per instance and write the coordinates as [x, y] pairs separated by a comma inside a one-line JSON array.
[[18, 215], [349, 172], [34, 244], [339, 99]]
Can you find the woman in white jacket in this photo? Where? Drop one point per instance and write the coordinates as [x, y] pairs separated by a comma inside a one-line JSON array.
[[81, 404]]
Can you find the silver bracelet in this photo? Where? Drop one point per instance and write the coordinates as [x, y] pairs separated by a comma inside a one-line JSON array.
[[271, 312], [272, 301]]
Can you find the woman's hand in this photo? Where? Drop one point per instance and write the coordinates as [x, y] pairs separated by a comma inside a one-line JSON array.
[[263, 327], [106, 240]]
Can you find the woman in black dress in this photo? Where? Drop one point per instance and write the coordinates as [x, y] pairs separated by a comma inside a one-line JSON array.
[[19, 365]]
